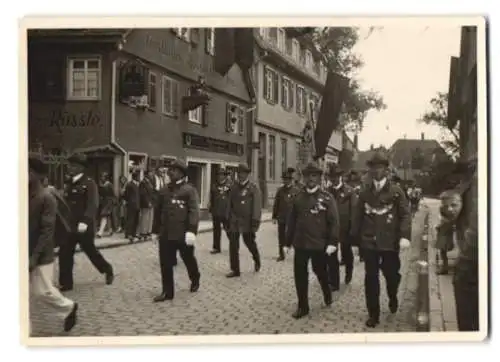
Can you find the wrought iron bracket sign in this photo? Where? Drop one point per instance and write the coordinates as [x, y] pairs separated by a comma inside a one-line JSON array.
[[211, 144]]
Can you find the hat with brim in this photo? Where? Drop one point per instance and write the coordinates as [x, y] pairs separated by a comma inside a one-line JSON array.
[[243, 168], [178, 165], [312, 169], [378, 159], [222, 171], [78, 158], [335, 170], [36, 163]]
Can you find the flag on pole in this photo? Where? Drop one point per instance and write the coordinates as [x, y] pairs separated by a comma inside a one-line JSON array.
[[334, 94], [225, 50]]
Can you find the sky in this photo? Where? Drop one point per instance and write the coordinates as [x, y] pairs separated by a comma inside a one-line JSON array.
[[407, 66]]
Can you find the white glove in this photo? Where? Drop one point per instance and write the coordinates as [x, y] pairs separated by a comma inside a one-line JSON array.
[[404, 243], [190, 238], [330, 249], [82, 227], [286, 249]]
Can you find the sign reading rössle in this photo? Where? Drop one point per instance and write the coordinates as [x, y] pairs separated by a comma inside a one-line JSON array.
[[211, 144], [60, 119]]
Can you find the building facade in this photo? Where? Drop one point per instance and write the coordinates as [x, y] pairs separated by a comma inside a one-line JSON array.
[[287, 77], [95, 112]]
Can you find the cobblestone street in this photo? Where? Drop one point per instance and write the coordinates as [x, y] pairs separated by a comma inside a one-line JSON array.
[[255, 303]]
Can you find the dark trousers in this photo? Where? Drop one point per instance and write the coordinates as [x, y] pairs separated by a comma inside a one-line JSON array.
[[132, 222], [333, 267], [281, 238], [168, 251], [218, 224], [67, 252], [301, 274], [465, 283], [234, 249], [389, 263], [346, 255]]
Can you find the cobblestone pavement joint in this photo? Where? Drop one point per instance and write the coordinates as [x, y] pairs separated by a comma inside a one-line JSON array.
[[255, 303]]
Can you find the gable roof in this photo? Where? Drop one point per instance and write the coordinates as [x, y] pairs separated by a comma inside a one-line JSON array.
[[403, 150]]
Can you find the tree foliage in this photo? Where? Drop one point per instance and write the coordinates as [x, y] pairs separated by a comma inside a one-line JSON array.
[[336, 46], [437, 115]]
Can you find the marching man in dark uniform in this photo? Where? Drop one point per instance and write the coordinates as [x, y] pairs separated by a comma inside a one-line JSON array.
[[43, 226], [283, 202], [243, 214], [313, 230], [345, 198], [176, 229], [83, 199], [382, 226], [219, 200]]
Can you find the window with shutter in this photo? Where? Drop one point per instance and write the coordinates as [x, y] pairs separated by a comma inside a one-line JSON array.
[[242, 119], [170, 96], [283, 97], [276, 88], [291, 94], [152, 90], [228, 117], [297, 98]]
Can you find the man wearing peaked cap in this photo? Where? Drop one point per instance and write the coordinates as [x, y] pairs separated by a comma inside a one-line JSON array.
[[217, 207], [281, 209], [244, 215], [177, 229], [346, 199], [313, 230], [82, 197], [382, 226]]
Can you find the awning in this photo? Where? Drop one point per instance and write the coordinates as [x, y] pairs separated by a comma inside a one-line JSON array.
[[108, 149]]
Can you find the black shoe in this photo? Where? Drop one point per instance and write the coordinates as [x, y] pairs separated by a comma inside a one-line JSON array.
[[162, 297], [393, 305], [70, 320], [334, 287], [372, 322], [328, 299], [65, 288], [257, 266], [233, 275], [300, 313], [280, 258], [195, 286], [215, 251], [442, 271], [348, 275], [110, 277]]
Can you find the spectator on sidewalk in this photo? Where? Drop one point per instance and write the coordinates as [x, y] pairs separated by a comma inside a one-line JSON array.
[[107, 201], [451, 204], [42, 226], [132, 201], [122, 207], [147, 200]]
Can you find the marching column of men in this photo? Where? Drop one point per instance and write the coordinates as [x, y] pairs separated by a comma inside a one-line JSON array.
[[315, 221]]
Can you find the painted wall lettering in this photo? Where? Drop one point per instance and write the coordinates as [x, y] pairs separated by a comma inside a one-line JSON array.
[[66, 119]]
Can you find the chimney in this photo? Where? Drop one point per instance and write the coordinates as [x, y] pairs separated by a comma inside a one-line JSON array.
[[422, 136]]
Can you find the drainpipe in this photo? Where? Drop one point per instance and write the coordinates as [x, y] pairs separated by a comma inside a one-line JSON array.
[[113, 120]]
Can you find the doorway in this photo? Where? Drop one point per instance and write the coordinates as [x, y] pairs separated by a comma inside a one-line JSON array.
[[195, 177], [262, 167]]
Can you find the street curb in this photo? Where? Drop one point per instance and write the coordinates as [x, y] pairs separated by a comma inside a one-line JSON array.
[[126, 242], [423, 302]]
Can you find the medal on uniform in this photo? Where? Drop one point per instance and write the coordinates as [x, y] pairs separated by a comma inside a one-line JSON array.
[[244, 192], [389, 218]]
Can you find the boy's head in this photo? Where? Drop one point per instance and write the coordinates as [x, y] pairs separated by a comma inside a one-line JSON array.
[[451, 204]]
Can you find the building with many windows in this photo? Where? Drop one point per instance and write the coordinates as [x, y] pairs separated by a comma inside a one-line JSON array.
[[119, 94], [288, 75]]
